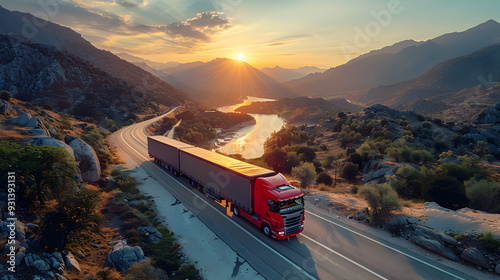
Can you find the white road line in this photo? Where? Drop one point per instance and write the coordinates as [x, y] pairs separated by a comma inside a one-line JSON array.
[[386, 246], [217, 211], [344, 257], [309, 212]]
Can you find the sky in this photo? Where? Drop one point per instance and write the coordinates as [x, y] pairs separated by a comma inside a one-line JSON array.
[[287, 33]]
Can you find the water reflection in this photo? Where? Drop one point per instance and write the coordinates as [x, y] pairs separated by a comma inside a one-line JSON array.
[[249, 141]]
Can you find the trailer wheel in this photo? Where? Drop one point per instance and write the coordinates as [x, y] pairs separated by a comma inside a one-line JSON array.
[[236, 211], [175, 172], [193, 183], [266, 229]]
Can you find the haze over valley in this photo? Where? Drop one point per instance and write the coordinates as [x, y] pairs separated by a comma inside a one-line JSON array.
[[249, 139]]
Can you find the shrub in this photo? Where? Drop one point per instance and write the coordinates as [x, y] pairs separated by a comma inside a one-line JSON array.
[[483, 195], [446, 191], [128, 185], [5, 95], [349, 171], [356, 159], [324, 178], [381, 198], [488, 240], [306, 173], [145, 270], [306, 154]]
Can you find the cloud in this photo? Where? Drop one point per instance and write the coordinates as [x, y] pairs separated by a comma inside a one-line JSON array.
[[127, 4], [199, 27], [286, 40]]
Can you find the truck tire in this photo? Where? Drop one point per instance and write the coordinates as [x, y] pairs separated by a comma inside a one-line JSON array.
[[193, 183], [236, 211], [266, 229]]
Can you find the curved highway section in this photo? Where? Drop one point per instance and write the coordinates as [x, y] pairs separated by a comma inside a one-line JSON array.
[[328, 248]]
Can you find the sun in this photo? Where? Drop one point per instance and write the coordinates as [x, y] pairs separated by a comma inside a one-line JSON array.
[[241, 57]]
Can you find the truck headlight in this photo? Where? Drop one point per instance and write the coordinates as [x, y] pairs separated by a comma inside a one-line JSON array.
[[281, 232]]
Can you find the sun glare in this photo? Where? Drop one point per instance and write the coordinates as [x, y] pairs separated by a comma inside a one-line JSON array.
[[240, 57]]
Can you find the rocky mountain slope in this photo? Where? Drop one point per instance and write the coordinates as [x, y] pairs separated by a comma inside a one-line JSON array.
[[396, 64], [65, 39], [462, 82], [221, 81], [44, 75]]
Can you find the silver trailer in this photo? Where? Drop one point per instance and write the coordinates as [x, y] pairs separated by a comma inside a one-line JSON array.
[[166, 151], [222, 176]]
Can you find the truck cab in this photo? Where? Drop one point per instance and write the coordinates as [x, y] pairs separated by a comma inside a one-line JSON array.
[[279, 206]]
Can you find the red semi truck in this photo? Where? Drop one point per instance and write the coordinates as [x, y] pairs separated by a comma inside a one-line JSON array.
[[260, 195]]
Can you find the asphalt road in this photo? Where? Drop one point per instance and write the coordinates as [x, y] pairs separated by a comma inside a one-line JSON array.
[[328, 248]]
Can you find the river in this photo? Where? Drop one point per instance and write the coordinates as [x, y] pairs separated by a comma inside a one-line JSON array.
[[249, 141]]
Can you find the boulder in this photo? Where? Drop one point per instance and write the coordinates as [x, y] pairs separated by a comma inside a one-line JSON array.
[[474, 256], [434, 246], [122, 256], [5, 107], [497, 268], [70, 262], [8, 277], [22, 120], [432, 234], [150, 234], [48, 141], [89, 163], [41, 265]]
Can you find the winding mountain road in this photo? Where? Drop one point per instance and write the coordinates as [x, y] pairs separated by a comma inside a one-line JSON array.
[[330, 247]]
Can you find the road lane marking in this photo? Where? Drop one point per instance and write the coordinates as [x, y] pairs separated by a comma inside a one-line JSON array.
[[301, 270], [387, 246], [309, 212], [344, 257]]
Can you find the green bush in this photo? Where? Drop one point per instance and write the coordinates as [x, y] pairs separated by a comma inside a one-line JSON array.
[[446, 191], [5, 95], [483, 195], [306, 173], [381, 198], [145, 270], [128, 185], [324, 178], [349, 171], [489, 241]]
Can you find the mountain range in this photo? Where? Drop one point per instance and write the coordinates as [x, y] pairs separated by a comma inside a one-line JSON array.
[[400, 62], [70, 44], [281, 75]]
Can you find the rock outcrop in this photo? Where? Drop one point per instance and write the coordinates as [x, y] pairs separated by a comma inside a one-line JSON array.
[[474, 256], [150, 234], [70, 262], [123, 256], [89, 166], [48, 141], [5, 107], [435, 242]]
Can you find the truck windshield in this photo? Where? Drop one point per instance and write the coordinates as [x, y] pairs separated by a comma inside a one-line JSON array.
[[291, 205]]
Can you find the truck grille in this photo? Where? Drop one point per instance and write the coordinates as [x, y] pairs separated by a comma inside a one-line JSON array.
[[293, 222]]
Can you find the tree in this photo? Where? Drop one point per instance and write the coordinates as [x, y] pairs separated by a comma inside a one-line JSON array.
[[5, 95], [324, 178], [306, 154], [356, 159], [349, 171], [276, 159], [43, 170], [481, 149], [306, 173], [483, 195], [446, 191], [74, 214], [381, 198]]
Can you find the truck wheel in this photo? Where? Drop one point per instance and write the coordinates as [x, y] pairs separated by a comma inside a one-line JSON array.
[[193, 183], [200, 188], [266, 229], [236, 211]]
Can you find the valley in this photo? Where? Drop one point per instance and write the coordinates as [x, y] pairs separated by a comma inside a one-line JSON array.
[[396, 152]]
